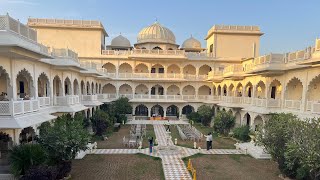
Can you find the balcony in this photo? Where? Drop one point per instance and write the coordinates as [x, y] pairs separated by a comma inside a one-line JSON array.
[[13, 108], [311, 55], [268, 64], [90, 100], [215, 76], [234, 72], [313, 107], [15, 34], [66, 100], [292, 104]]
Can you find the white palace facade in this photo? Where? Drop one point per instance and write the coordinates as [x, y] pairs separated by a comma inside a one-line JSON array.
[[54, 66]]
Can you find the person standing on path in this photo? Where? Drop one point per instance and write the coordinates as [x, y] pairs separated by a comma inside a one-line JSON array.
[[208, 140], [150, 144]]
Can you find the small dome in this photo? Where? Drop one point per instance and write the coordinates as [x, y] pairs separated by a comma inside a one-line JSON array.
[[156, 33], [191, 43], [120, 41]]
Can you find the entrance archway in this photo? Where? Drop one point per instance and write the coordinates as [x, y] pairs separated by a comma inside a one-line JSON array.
[[141, 110], [27, 135], [43, 85], [25, 87], [157, 110], [187, 109], [172, 110]]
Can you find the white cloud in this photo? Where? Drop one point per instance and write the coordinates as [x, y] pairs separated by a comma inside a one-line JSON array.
[[19, 2]]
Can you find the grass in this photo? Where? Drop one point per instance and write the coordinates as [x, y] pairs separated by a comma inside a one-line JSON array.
[[242, 167], [219, 142], [136, 167], [150, 133]]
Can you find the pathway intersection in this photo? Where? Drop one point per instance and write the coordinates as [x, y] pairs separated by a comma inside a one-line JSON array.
[[171, 155]]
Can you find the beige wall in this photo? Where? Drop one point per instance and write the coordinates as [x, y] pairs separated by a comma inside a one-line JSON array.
[[86, 42], [234, 45]]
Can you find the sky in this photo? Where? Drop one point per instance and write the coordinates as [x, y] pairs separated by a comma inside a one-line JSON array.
[[289, 25]]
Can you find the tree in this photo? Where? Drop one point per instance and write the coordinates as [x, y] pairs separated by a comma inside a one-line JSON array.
[[223, 122], [275, 135], [206, 114], [100, 122], [63, 140], [303, 149], [43, 128], [194, 116], [119, 108], [242, 133], [24, 156]]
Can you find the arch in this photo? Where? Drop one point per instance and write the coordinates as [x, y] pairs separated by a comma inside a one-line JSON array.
[[239, 90], [157, 48], [247, 119], [238, 119], [294, 89], [57, 86], [204, 90], [157, 90], [75, 87], [261, 90], [83, 87], [219, 90], [4, 85], [188, 90], [224, 90], [141, 68], [248, 89], [125, 68], [275, 89], [141, 89], [25, 86], [125, 89], [67, 86], [172, 110], [92, 88], [189, 70], [88, 87], [43, 85], [111, 68], [313, 89], [187, 109], [109, 89], [231, 90], [173, 90], [257, 123], [141, 110], [157, 68], [173, 69], [96, 88], [214, 90], [204, 69], [27, 135], [157, 110]]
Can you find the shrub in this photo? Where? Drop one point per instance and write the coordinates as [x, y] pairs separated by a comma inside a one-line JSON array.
[[24, 156], [100, 122], [223, 122], [206, 114], [42, 172], [194, 116], [242, 133]]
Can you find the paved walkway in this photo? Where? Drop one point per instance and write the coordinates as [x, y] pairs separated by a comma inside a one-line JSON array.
[[173, 166], [157, 122]]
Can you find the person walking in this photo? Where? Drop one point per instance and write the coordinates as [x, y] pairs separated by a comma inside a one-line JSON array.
[[150, 144], [208, 141]]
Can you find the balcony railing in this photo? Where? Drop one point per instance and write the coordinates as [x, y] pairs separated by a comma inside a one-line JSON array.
[[12, 108], [44, 101], [313, 106], [65, 53], [26, 34], [66, 100], [89, 97], [292, 104]]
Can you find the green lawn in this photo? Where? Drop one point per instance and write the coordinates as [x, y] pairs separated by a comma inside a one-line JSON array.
[[219, 142], [150, 133]]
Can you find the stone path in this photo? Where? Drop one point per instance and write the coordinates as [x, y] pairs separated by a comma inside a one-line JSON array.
[[172, 163], [173, 166]]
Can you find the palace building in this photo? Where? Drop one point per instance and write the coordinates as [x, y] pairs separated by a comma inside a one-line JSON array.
[[54, 66]]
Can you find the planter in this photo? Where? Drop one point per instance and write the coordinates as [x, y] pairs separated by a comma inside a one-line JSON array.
[[253, 138]]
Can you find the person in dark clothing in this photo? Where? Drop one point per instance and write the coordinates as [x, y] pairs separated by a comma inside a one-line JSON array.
[[151, 144], [209, 141]]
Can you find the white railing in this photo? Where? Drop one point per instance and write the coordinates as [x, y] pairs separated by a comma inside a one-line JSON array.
[[313, 106], [11, 108], [274, 103], [157, 52], [235, 68], [115, 53], [44, 101], [65, 53], [292, 104], [86, 23], [66, 100], [259, 102], [89, 97]]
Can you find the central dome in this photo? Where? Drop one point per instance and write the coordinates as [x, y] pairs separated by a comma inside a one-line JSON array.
[[156, 33]]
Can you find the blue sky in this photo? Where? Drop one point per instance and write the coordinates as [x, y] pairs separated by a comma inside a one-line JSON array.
[[288, 25]]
